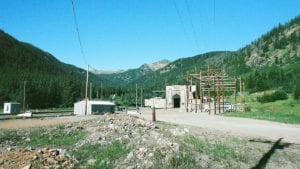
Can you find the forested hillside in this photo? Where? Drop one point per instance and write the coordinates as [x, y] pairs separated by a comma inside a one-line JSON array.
[[49, 82], [270, 62]]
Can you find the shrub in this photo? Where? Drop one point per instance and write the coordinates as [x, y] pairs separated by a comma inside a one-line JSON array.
[[297, 90], [277, 95]]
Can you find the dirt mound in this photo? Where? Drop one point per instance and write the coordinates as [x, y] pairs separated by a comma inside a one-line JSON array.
[[39, 158]]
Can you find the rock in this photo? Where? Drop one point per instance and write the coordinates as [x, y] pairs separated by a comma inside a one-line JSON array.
[[54, 152], [130, 155], [40, 151], [51, 161], [34, 157], [27, 166], [141, 153], [204, 157], [111, 126], [68, 126], [139, 123], [148, 164], [150, 155], [79, 128], [130, 167], [91, 161], [29, 148]]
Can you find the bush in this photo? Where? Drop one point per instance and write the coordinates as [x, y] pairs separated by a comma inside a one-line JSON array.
[[297, 90], [277, 95]]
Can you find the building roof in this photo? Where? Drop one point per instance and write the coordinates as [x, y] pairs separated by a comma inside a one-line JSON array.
[[97, 102]]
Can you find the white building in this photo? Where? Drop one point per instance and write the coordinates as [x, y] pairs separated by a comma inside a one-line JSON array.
[[177, 96], [93, 107], [157, 102], [12, 108]]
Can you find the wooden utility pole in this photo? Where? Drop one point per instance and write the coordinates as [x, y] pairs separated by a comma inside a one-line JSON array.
[[200, 89], [223, 94], [215, 106], [101, 91], [235, 81], [166, 98], [86, 89], [187, 92], [141, 97], [136, 97], [24, 97], [91, 91]]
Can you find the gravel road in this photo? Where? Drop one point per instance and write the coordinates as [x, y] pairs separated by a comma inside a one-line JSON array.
[[238, 126], [243, 127]]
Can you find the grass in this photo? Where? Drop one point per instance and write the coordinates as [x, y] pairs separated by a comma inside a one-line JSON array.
[[10, 136], [284, 111], [39, 137], [193, 148], [104, 156], [56, 137], [217, 150]]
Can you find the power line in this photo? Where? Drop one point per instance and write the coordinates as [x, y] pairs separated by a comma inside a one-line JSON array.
[[192, 24], [181, 20], [214, 24], [78, 34]]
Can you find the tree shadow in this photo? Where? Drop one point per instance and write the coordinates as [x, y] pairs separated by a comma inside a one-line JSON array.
[[265, 158]]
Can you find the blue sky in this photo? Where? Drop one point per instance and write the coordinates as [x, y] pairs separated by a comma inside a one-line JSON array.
[[122, 34]]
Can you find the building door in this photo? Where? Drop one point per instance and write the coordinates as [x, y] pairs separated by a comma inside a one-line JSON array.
[[176, 101]]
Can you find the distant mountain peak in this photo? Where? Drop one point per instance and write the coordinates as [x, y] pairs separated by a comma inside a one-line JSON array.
[[98, 72], [157, 65]]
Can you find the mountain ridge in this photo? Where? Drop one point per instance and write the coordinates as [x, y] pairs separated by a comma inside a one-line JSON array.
[[271, 61]]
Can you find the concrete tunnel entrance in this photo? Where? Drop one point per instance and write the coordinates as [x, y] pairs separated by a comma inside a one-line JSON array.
[[176, 101]]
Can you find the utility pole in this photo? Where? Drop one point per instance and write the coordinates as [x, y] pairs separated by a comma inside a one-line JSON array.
[[141, 97], [166, 103], [136, 106], [187, 91], [86, 89], [101, 91], [24, 97], [91, 91]]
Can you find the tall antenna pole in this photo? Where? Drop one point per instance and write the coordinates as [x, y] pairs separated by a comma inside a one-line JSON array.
[[24, 97], [86, 89]]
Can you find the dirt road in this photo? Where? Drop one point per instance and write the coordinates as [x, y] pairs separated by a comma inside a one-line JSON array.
[[22, 123], [238, 126]]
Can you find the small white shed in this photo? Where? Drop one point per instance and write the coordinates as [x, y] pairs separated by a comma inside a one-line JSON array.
[[12, 108], [93, 107]]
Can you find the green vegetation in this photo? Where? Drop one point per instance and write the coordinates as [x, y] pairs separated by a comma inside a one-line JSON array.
[[38, 137], [104, 156], [192, 148], [218, 151], [285, 111], [297, 90], [55, 137], [277, 95]]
